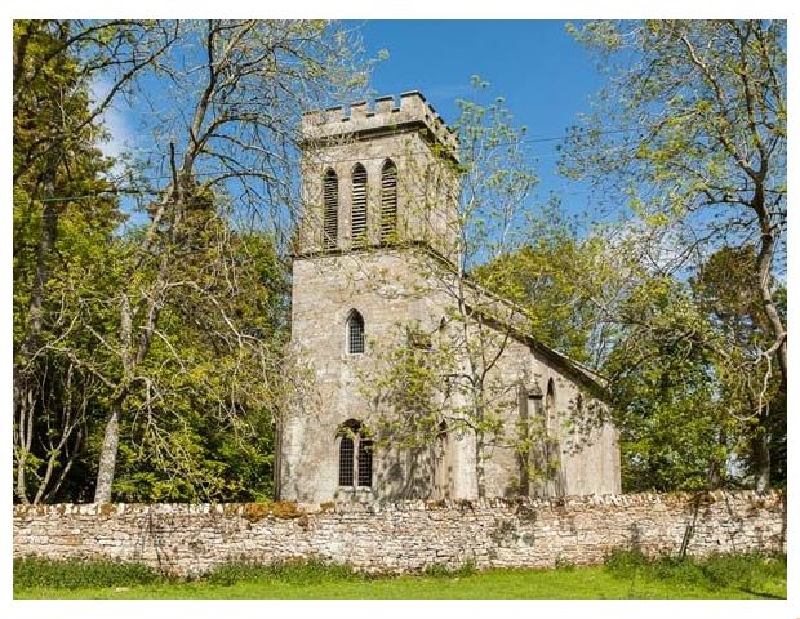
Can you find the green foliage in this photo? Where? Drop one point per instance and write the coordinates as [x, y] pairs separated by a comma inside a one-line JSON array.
[[30, 572], [747, 572], [549, 278], [177, 323], [309, 572], [689, 140], [672, 433], [624, 563], [208, 426], [727, 290], [441, 570], [61, 231], [495, 177], [403, 387]]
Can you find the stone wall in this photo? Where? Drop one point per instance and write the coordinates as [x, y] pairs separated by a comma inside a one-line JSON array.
[[407, 536]]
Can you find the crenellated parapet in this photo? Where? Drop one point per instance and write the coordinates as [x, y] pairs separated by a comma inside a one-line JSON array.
[[414, 112]]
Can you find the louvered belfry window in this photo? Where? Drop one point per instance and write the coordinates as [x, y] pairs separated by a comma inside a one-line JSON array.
[[331, 204], [358, 223], [388, 202]]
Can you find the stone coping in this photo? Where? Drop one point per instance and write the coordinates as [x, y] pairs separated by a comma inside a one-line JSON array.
[[293, 510]]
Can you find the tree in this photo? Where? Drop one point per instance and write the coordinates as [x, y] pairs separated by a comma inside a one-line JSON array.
[[487, 190], [58, 242], [726, 291], [693, 141], [675, 434], [231, 124], [555, 277], [203, 430], [686, 380]]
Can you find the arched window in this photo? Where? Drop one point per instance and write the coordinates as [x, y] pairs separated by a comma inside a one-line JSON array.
[[550, 400], [330, 200], [355, 333], [364, 462], [550, 407], [552, 444], [355, 455], [358, 221], [388, 202], [347, 454]]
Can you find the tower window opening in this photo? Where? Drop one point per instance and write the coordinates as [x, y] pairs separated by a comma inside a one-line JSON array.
[[355, 333], [358, 223], [364, 462], [388, 202], [331, 207]]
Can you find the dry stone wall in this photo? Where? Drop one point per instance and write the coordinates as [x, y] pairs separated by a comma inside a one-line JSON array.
[[407, 536]]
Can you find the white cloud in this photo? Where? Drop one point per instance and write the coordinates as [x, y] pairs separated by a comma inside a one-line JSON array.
[[659, 249], [122, 137]]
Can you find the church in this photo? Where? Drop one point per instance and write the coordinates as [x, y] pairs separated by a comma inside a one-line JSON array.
[[376, 257]]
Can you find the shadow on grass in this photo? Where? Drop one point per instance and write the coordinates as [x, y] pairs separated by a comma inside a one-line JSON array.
[[761, 594]]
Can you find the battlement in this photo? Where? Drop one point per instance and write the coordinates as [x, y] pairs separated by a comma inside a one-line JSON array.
[[413, 110]]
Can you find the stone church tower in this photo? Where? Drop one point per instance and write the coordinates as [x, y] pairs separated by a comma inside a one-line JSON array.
[[379, 203]]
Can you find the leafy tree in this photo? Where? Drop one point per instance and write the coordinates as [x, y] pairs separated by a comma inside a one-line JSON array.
[[674, 434], [726, 292], [487, 192], [692, 393], [555, 280], [172, 328], [58, 255], [231, 124], [205, 428], [691, 137]]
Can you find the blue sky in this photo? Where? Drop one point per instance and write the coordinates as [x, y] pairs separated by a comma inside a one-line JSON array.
[[545, 76]]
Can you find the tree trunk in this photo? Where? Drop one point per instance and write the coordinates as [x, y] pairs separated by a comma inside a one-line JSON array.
[[480, 467], [760, 454], [760, 441], [24, 378], [276, 471], [764, 268], [108, 456], [716, 469], [24, 435]]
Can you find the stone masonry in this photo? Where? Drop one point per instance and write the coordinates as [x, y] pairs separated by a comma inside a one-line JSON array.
[[406, 281], [190, 540]]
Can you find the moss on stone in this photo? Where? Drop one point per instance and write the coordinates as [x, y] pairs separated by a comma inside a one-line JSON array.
[[254, 512], [108, 509]]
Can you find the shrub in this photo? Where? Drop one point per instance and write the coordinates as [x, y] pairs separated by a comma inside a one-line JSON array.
[[80, 573], [679, 570], [297, 572], [744, 571], [441, 570], [624, 563]]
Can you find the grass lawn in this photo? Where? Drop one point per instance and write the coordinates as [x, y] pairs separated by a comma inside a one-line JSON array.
[[598, 583]]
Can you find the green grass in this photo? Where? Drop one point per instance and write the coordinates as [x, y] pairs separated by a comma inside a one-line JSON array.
[[626, 576]]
